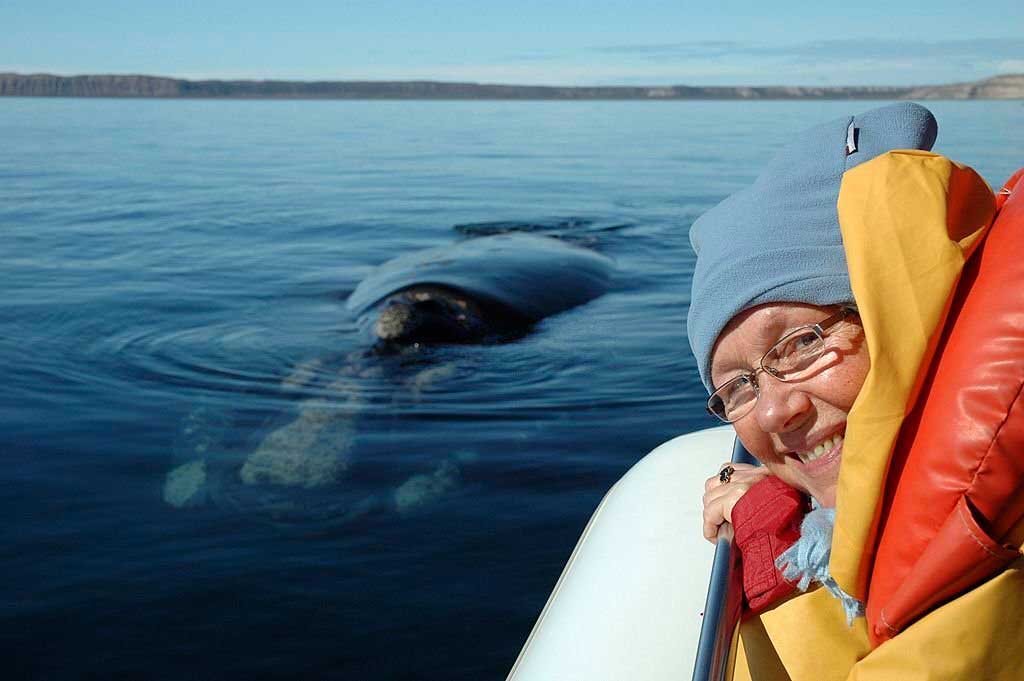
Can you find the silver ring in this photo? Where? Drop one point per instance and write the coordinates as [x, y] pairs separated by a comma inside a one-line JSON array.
[[725, 475]]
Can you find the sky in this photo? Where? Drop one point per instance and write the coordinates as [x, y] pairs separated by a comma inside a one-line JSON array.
[[553, 42]]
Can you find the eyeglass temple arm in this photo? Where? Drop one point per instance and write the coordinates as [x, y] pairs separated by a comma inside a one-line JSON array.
[[725, 599]]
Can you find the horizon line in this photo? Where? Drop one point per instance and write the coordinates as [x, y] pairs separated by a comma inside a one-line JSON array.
[[142, 86], [222, 79]]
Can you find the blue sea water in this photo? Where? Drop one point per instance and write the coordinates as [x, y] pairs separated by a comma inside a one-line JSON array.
[[174, 276]]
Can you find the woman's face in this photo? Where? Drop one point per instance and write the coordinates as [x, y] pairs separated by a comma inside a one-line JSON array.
[[795, 429]]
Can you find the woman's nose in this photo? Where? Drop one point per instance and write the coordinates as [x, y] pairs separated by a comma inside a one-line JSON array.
[[781, 407]]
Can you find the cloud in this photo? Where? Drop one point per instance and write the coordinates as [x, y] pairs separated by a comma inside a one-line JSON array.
[[987, 49], [1010, 66], [699, 49], [846, 61]]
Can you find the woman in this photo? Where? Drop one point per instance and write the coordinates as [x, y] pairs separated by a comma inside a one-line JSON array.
[[816, 294], [795, 423], [787, 375]]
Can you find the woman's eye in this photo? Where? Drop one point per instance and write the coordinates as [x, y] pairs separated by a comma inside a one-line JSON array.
[[798, 344], [797, 348], [804, 341]]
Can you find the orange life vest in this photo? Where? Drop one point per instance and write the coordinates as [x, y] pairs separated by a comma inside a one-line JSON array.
[[954, 486]]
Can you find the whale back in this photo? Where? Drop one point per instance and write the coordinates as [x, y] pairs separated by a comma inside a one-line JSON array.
[[536, 276]]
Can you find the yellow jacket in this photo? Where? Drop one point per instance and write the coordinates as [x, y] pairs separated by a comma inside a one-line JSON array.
[[909, 220]]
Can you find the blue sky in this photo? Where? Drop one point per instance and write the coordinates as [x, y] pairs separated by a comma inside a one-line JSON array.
[[554, 42]]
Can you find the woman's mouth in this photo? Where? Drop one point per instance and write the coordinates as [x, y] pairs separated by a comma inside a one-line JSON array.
[[829, 444]]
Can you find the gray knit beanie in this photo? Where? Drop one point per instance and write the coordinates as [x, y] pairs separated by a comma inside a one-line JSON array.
[[778, 240]]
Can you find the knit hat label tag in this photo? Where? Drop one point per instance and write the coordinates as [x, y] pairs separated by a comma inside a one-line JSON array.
[[851, 139]]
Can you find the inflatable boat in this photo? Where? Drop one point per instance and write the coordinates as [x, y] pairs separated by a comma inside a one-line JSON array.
[[630, 600]]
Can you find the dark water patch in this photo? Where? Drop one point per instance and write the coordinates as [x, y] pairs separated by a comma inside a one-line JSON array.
[[107, 217], [594, 233], [550, 226]]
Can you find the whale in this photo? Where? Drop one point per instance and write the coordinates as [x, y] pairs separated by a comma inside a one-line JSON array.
[[480, 290]]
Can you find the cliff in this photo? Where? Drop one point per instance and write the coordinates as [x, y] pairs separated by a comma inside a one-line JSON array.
[[1009, 86], [47, 85]]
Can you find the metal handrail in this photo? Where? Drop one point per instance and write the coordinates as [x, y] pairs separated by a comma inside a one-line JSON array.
[[725, 600]]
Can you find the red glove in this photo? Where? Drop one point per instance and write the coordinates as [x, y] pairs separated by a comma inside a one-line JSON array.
[[766, 521]]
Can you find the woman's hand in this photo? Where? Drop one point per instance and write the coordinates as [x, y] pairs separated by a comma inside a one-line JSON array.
[[720, 497]]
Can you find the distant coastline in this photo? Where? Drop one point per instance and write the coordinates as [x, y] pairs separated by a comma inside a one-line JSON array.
[[1009, 86]]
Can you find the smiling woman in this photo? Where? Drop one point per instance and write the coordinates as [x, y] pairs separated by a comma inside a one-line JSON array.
[[818, 296], [793, 419], [772, 322]]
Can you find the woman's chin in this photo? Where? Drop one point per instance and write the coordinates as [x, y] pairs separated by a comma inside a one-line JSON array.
[[826, 497]]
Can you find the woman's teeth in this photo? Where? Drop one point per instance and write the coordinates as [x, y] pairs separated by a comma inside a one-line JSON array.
[[821, 449]]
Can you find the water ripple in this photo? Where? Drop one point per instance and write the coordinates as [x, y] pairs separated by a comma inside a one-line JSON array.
[[227, 355]]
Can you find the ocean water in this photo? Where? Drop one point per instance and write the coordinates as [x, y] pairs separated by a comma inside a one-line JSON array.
[[174, 276]]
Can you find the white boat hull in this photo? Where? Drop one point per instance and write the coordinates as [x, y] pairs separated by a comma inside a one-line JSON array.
[[629, 602]]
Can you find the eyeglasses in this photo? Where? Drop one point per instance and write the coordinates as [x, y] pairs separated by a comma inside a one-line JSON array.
[[796, 356]]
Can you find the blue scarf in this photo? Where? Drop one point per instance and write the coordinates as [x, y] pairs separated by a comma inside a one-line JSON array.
[[806, 561]]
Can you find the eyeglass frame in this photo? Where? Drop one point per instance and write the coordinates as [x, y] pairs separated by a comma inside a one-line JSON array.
[[818, 329]]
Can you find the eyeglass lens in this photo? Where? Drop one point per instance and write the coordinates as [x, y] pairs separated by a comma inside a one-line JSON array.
[[790, 359]]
